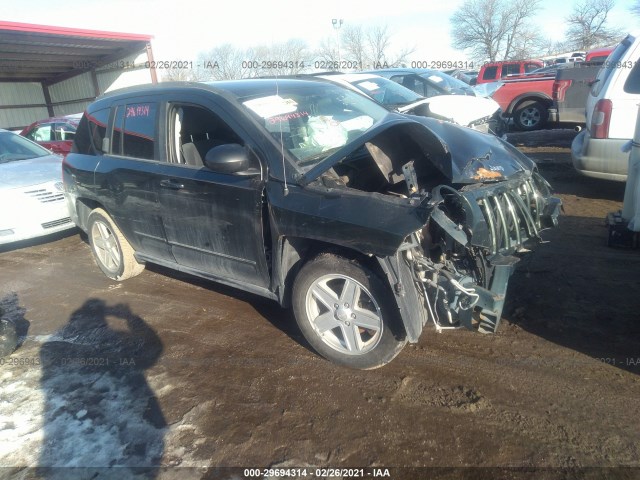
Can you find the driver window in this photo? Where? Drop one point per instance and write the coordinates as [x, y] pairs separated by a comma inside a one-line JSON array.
[[41, 133], [194, 131]]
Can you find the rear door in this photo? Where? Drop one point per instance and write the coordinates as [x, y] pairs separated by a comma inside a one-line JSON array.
[[510, 69], [127, 181], [64, 133], [213, 221]]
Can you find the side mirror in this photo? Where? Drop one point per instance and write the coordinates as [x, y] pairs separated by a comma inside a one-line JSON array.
[[228, 158]]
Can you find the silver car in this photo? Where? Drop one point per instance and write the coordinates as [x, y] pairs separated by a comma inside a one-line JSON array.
[[31, 194]]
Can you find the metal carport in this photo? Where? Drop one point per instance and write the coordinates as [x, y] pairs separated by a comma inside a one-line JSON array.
[[48, 71]]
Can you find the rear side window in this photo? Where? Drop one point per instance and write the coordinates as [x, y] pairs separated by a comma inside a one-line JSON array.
[[632, 85], [490, 73], [135, 130], [65, 131], [91, 132], [530, 67], [510, 69], [41, 133], [607, 69]]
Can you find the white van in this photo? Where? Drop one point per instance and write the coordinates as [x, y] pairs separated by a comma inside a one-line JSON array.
[[611, 111]]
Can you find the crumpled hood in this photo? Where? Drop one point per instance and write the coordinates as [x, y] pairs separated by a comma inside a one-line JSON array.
[[462, 154], [463, 110], [469, 156], [34, 171]]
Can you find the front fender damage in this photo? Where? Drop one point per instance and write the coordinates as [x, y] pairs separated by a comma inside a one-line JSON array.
[[410, 303], [456, 269]]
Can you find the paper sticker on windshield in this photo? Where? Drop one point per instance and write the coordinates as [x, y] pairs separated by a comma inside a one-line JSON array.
[[369, 86], [358, 123], [435, 78], [271, 106]]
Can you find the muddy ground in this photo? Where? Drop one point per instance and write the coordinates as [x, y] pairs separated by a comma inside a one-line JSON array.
[[165, 369]]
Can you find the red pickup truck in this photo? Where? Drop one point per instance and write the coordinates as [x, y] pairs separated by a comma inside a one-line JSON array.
[[526, 99], [496, 71]]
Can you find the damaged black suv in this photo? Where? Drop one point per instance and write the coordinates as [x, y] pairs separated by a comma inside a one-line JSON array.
[[367, 223]]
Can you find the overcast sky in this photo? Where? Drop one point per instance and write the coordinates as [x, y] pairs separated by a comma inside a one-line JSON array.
[[183, 28]]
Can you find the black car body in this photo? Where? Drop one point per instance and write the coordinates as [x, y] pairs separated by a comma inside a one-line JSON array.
[[310, 194]]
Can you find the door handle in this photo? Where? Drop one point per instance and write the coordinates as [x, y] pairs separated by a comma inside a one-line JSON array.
[[172, 184]]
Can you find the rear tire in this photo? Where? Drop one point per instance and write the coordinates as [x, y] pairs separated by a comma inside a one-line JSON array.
[[530, 115], [111, 251], [347, 313]]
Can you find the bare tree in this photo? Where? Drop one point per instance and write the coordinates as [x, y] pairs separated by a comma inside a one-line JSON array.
[[495, 29], [587, 25], [225, 62], [364, 48], [178, 75], [353, 42], [287, 58], [550, 47], [378, 41]]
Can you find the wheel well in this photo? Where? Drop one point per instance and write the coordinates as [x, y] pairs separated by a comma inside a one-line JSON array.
[[519, 101], [294, 252], [84, 206]]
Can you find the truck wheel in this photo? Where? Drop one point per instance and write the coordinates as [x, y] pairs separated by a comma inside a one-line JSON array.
[[112, 252], [530, 115], [347, 313]]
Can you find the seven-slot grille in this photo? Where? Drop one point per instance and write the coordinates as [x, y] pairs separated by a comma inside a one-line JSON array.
[[512, 216], [44, 195]]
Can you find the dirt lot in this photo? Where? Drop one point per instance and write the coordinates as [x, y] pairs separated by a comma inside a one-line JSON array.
[[168, 370]]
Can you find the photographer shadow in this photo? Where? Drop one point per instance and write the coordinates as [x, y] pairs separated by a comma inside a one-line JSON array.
[[13, 326], [100, 413]]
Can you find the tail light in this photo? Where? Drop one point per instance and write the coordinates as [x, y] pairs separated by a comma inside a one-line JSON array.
[[600, 119], [559, 89]]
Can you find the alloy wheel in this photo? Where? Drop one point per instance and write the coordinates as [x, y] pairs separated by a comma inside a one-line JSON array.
[[344, 314]]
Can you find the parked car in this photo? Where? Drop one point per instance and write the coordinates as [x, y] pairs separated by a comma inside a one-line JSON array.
[[30, 190], [598, 54], [425, 82], [467, 76], [494, 71], [482, 114], [611, 110], [367, 222], [55, 134]]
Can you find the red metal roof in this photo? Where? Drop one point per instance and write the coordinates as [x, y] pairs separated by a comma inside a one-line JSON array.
[[72, 32], [49, 54]]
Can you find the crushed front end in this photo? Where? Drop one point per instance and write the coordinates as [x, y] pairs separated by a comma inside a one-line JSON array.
[[477, 204], [462, 259]]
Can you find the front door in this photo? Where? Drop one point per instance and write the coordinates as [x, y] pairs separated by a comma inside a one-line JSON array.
[[213, 221]]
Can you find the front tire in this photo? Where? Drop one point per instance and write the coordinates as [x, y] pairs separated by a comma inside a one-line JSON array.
[[347, 313], [111, 251]]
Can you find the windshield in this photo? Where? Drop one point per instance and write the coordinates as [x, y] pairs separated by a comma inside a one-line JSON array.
[[314, 120], [387, 92], [487, 90], [445, 81], [14, 147]]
